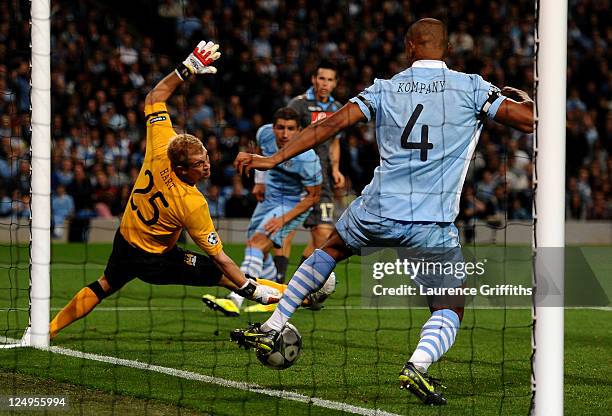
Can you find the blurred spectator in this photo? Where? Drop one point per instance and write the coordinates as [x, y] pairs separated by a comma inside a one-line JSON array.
[[21, 182], [62, 206], [5, 203], [216, 202], [460, 40], [239, 205], [81, 191], [105, 197], [64, 175], [600, 210], [518, 212], [486, 186], [103, 64], [471, 209]]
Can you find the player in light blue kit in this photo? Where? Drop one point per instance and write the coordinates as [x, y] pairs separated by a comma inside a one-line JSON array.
[[428, 121], [292, 188]]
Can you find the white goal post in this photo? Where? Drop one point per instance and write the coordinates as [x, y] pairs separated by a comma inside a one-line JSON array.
[[549, 205], [40, 257]]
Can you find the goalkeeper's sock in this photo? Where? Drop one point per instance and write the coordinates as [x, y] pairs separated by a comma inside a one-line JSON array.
[[437, 336], [281, 263], [308, 278], [253, 262], [269, 269], [81, 304]]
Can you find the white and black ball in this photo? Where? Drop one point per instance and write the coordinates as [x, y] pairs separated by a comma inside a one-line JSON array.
[[286, 352]]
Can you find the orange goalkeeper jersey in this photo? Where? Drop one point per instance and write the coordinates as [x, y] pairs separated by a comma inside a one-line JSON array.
[[161, 205]]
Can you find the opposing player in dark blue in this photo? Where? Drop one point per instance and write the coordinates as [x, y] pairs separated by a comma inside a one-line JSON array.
[[428, 121]]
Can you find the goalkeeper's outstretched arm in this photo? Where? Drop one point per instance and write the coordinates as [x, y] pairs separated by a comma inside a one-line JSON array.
[[164, 89], [198, 62]]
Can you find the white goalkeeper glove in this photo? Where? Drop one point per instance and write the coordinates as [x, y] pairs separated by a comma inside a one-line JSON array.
[[259, 293], [266, 295], [199, 61]]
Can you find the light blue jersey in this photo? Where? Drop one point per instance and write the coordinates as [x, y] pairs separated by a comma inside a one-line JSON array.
[[428, 121], [284, 188], [286, 182]]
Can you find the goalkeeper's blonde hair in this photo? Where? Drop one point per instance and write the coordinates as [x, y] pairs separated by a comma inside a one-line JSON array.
[[181, 146]]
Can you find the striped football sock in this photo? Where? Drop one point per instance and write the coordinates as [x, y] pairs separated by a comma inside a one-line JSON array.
[[437, 336], [253, 262], [269, 269], [308, 278]]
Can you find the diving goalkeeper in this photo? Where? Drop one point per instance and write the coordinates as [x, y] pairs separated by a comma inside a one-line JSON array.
[[163, 202]]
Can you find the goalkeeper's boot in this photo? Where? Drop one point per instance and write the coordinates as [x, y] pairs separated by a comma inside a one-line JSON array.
[[224, 305], [258, 307], [314, 301], [421, 385], [254, 337]]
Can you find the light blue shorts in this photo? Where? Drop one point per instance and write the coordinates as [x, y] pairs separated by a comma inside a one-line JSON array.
[[428, 241], [264, 212]]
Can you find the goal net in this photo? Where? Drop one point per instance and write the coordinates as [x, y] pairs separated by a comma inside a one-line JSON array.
[[73, 142]]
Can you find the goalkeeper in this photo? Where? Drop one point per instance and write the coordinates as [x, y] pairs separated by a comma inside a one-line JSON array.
[[163, 202], [428, 120]]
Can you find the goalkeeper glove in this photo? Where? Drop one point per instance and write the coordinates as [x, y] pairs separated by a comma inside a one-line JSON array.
[[199, 61], [259, 293]]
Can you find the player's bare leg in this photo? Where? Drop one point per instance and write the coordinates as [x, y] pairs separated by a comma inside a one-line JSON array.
[[318, 236], [281, 257]]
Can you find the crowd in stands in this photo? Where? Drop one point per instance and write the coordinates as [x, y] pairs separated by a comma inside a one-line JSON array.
[[103, 64]]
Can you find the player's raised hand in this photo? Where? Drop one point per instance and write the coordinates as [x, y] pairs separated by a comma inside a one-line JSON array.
[[244, 162], [515, 94], [199, 61]]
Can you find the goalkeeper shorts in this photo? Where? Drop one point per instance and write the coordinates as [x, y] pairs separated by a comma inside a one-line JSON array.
[[175, 267]]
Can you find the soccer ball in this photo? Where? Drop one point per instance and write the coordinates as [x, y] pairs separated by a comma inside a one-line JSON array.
[[286, 352]]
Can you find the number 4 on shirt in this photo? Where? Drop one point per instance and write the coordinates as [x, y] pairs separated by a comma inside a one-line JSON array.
[[424, 144]]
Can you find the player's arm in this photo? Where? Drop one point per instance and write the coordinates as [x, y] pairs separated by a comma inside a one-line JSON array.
[[334, 158], [307, 139], [205, 236], [159, 126], [198, 62], [164, 89], [312, 197], [199, 225], [259, 188], [516, 111], [245, 287]]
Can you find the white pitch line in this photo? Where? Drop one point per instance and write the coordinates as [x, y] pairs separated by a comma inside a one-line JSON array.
[[333, 308], [249, 387]]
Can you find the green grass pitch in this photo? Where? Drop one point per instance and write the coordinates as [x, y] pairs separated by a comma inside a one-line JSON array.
[[351, 355]]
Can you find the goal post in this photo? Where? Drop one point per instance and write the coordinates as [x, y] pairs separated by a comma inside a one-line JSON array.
[[549, 208], [40, 257], [549, 200]]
